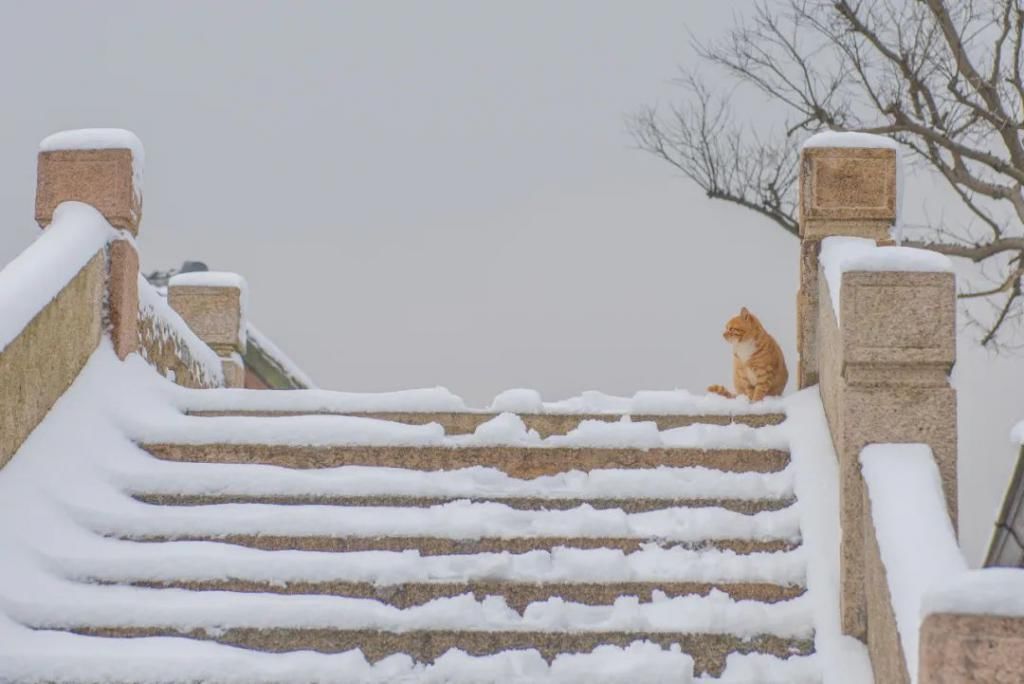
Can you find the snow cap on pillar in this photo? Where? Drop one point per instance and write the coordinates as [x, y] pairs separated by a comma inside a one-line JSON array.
[[102, 167], [213, 305], [848, 185]]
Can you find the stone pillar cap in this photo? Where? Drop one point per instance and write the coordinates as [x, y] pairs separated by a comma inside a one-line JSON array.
[[208, 279], [101, 139], [102, 167], [849, 185], [850, 139], [213, 304]]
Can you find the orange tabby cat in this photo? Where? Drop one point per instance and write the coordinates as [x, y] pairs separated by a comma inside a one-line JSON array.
[[758, 367]]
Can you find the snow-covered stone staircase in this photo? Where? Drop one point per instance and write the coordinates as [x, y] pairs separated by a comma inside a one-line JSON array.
[[477, 545]]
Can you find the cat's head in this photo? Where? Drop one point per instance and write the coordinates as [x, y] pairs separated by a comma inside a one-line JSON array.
[[741, 327]]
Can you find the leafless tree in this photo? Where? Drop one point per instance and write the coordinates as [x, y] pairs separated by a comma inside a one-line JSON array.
[[941, 78]]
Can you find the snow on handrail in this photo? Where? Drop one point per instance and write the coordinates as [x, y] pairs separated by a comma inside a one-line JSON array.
[[171, 328], [842, 254], [36, 276], [915, 536]]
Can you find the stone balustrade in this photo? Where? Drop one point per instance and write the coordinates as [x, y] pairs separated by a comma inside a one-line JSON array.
[[877, 334], [884, 378], [848, 191], [213, 305], [882, 357], [85, 279]]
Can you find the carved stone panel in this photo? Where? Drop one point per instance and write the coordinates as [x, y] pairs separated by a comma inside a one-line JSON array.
[[213, 313], [847, 191], [101, 178], [897, 317]]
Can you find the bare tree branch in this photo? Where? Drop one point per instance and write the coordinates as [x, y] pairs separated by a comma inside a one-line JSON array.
[[944, 79], [709, 149]]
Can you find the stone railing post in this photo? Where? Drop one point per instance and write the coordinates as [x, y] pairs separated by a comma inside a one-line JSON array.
[[213, 306], [848, 191], [882, 357], [884, 378], [102, 168], [958, 647]]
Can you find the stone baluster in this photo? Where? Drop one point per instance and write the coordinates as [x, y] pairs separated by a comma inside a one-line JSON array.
[[213, 306], [882, 362], [108, 179]]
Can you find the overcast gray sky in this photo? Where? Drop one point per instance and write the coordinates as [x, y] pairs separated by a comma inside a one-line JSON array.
[[437, 193]]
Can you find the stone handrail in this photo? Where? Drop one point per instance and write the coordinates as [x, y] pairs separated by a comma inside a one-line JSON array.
[[930, 618], [876, 333], [51, 312], [884, 356], [213, 305], [171, 347], [80, 280]]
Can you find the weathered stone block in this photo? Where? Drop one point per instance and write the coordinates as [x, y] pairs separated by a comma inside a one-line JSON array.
[[847, 191], [123, 297], [234, 371], [101, 178], [807, 315], [956, 649], [41, 363], [899, 319], [214, 313], [883, 378]]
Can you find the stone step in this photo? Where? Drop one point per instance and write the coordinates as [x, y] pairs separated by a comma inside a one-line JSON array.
[[546, 424], [518, 462], [518, 595], [438, 546], [709, 651], [632, 505]]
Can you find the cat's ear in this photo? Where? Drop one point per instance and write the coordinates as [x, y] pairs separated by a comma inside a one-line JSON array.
[[745, 314]]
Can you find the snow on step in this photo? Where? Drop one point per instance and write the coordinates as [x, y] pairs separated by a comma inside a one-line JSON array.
[[439, 546], [566, 583], [440, 400], [518, 595], [159, 477], [119, 561], [708, 627], [68, 606], [709, 652], [764, 668], [463, 520], [57, 657], [545, 424], [517, 462], [506, 429], [172, 483], [748, 506], [503, 442]]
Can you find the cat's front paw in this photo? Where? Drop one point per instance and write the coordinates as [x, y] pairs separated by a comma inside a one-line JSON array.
[[718, 389]]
